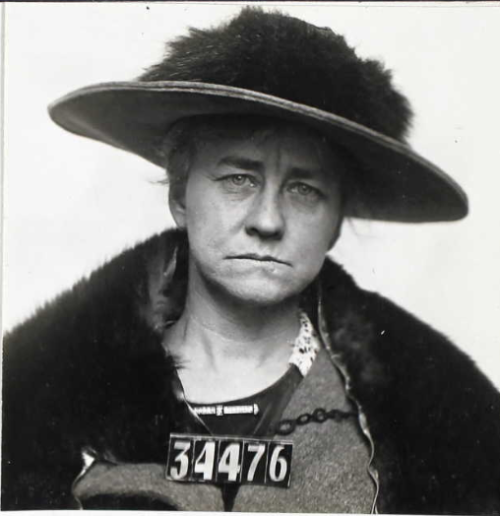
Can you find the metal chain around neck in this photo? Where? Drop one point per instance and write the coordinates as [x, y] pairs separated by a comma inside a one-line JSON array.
[[319, 415]]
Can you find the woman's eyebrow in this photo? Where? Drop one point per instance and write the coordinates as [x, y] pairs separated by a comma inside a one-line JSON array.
[[305, 173], [242, 163]]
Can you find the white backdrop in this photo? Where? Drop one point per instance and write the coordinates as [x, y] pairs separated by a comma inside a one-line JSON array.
[[72, 203]]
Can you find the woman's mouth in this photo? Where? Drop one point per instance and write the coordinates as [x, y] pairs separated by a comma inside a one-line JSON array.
[[259, 258]]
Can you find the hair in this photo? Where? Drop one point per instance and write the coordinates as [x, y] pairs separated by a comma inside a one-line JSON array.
[[188, 135]]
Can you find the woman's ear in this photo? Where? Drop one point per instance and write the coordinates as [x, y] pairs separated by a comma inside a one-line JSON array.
[[177, 204]]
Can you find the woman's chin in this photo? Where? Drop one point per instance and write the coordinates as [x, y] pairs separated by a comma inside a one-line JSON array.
[[260, 293]]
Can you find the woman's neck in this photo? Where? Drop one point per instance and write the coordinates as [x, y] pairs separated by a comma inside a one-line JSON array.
[[229, 350]]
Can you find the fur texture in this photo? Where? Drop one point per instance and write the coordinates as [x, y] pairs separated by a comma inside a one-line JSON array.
[[89, 372], [286, 57]]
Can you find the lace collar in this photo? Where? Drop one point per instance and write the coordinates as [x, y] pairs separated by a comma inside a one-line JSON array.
[[306, 345]]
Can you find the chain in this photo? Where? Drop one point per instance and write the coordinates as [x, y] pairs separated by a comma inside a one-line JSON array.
[[319, 415]]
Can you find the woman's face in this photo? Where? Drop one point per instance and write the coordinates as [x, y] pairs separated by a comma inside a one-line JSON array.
[[261, 214]]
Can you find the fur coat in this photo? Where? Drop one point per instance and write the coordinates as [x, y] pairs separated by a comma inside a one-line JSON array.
[[88, 371]]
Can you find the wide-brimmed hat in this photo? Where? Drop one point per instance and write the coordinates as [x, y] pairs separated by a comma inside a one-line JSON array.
[[274, 65]]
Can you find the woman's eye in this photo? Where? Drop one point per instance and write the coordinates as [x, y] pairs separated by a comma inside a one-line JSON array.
[[240, 180], [305, 190]]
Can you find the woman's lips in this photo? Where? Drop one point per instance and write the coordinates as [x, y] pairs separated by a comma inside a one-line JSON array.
[[259, 258]]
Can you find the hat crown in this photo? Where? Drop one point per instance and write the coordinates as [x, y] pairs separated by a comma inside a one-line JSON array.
[[274, 53]]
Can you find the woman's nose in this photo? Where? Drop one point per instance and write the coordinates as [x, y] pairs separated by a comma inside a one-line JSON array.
[[266, 218]]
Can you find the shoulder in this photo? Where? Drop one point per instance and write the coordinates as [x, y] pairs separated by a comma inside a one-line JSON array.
[[105, 322], [126, 281], [434, 416], [385, 343], [87, 370]]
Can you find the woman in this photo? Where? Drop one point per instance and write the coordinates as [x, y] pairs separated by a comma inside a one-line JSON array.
[[229, 365]]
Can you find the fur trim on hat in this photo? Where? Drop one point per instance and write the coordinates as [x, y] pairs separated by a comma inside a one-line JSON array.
[[277, 54]]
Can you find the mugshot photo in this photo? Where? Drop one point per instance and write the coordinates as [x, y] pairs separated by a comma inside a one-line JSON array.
[[250, 257]]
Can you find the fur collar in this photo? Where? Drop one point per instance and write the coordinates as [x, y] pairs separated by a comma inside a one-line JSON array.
[[89, 371]]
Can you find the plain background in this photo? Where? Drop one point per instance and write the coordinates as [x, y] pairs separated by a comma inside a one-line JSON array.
[[71, 203]]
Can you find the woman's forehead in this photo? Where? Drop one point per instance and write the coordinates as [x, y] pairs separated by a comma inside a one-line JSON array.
[[291, 150], [257, 136]]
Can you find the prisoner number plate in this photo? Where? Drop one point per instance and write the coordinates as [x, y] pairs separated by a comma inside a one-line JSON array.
[[229, 460]]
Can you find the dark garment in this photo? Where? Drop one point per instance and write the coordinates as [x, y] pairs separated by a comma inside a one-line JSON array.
[[329, 467], [88, 372], [270, 404], [267, 406]]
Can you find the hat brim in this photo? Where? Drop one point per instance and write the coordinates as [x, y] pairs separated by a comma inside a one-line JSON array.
[[396, 184]]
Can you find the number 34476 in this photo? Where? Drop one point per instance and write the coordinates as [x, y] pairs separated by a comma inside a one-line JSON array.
[[198, 458]]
